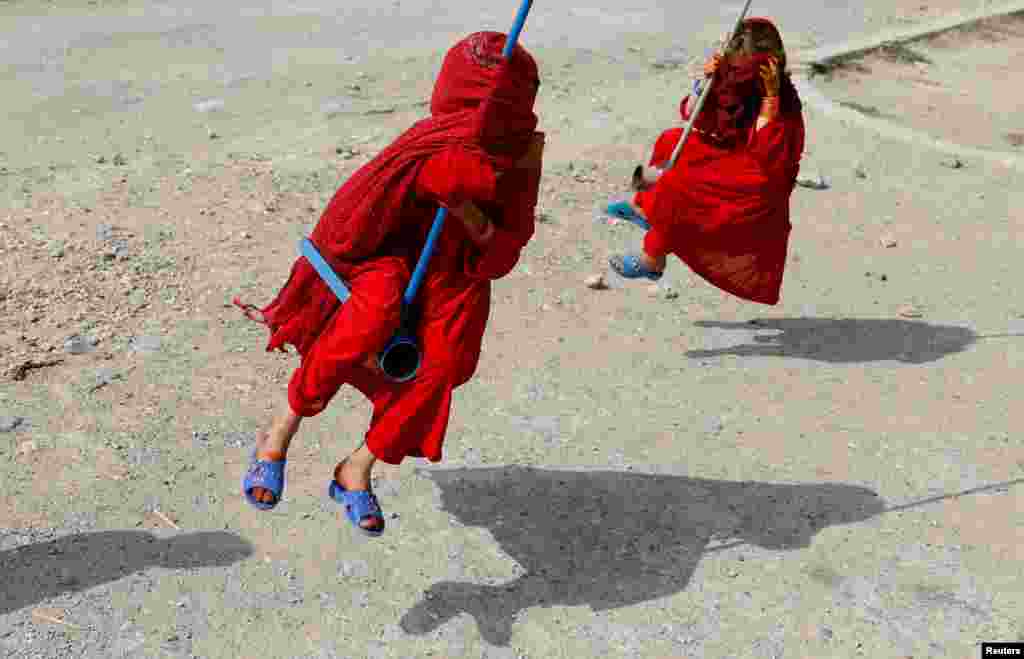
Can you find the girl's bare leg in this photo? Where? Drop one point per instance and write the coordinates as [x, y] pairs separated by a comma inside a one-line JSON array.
[[353, 474], [653, 263], [273, 445]]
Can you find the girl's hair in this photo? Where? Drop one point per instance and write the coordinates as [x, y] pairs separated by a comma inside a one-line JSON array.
[[758, 35]]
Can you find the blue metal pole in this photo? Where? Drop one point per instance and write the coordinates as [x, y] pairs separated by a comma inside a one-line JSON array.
[[435, 229], [308, 249]]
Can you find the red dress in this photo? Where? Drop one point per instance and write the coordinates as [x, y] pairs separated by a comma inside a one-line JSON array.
[[372, 233], [725, 211]]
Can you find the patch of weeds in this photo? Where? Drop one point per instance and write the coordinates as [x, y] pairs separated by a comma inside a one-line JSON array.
[[149, 262], [831, 67], [869, 110], [899, 52], [158, 234]]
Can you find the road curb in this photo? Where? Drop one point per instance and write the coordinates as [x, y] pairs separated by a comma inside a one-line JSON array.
[[806, 62]]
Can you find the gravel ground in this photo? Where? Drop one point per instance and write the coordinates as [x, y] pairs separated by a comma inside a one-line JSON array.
[[665, 472]]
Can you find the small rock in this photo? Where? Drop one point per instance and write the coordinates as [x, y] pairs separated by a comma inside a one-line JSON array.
[[668, 292], [813, 181], [209, 105], [101, 160], [214, 136], [27, 447], [860, 172], [887, 240], [80, 345], [119, 160], [673, 59], [596, 282], [909, 311], [953, 163], [11, 423], [713, 425], [354, 568], [145, 343]]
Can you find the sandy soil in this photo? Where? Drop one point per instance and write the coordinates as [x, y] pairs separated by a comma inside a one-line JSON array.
[[957, 86], [634, 472]]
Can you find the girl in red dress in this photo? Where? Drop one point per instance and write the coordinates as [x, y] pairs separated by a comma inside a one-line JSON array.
[[723, 209], [479, 156]]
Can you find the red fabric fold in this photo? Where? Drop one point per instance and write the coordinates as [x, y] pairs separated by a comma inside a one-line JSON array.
[[724, 208], [480, 105]]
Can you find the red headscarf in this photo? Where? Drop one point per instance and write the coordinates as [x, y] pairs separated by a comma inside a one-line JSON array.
[[481, 103], [735, 98]]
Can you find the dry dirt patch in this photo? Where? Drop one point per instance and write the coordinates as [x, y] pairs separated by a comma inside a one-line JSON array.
[[961, 85]]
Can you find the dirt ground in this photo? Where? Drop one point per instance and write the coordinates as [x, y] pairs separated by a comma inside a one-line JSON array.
[[956, 86], [634, 472]]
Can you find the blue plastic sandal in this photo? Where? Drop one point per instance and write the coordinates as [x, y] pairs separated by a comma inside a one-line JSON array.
[[629, 267], [625, 211], [267, 474], [359, 505]]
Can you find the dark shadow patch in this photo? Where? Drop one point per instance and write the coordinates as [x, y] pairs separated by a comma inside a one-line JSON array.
[[609, 539], [33, 573], [844, 340]]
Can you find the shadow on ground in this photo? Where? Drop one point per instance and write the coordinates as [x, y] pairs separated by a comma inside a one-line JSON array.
[[611, 539], [844, 340], [34, 573]]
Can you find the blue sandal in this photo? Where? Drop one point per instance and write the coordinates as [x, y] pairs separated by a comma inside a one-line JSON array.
[[359, 505], [629, 266], [267, 474], [625, 211]]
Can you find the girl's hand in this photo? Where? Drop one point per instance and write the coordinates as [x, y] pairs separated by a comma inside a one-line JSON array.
[[534, 156], [712, 65], [477, 225], [770, 77]]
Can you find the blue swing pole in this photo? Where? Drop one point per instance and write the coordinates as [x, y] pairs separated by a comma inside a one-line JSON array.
[[442, 213], [400, 359]]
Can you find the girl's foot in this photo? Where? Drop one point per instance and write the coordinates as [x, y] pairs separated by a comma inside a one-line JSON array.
[[272, 446], [632, 266], [353, 475], [627, 211]]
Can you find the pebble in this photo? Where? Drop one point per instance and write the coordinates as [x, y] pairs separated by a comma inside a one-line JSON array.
[[11, 423], [27, 447], [117, 249], [953, 163], [887, 240], [209, 105], [813, 181], [664, 291], [596, 282], [713, 425], [80, 345], [145, 343], [673, 59], [909, 311], [860, 172]]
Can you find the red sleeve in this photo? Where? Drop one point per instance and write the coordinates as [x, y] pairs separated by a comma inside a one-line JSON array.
[[455, 176], [663, 147], [778, 146], [513, 217]]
